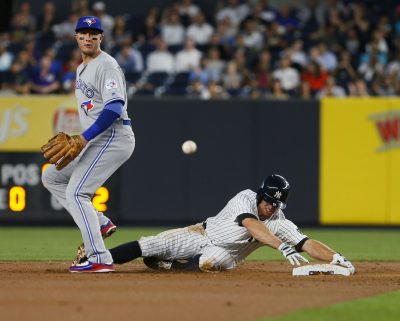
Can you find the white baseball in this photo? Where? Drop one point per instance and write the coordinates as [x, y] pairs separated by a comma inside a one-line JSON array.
[[189, 147]]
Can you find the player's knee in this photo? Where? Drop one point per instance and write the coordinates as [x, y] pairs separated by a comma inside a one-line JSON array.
[[74, 196], [47, 179], [215, 263]]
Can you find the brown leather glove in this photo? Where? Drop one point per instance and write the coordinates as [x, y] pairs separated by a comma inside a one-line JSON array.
[[62, 149]]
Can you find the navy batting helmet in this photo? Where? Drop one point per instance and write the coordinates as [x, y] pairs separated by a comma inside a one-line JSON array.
[[274, 190]]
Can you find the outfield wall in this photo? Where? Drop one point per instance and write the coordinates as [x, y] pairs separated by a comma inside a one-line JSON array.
[[346, 175]]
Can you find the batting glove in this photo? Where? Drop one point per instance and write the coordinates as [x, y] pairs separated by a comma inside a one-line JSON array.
[[339, 259], [291, 254]]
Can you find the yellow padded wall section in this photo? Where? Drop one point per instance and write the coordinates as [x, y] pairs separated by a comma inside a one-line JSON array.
[[360, 161]]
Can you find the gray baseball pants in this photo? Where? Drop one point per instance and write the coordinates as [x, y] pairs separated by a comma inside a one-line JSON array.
[[75, 185]]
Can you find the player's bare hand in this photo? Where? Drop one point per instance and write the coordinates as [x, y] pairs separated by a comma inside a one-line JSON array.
[[339, 259], [291, 254]]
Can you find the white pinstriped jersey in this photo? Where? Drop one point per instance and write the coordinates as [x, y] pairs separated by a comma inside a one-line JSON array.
[[224, 242], [224, 230]]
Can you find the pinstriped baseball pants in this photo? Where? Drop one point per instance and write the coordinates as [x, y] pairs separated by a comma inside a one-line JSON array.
[[185, 243]]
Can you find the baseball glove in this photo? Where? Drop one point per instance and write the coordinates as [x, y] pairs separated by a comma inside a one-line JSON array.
[[62, 149]]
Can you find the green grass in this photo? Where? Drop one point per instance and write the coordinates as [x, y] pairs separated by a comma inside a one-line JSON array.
[[55, 243], [383, 307], [355, 244], [52, 244]]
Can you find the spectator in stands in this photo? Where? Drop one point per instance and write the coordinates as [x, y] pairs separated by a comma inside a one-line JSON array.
[[69, 76], [6, 59], [65, 30], [215, 65], [216, 91], [263, 13], [234, 11], [107, 22], [23, 23], [150, 30], [276, 91], [81, 7], [20, 73], [188, 10], [45, 79], [226, 33], [385, 87], [305, 91], [120, 34], [361, 22], [46, 22], [393, 68], [274, 35], [312, 16], [371, 70], [232, 79], [358, 88], [330, 89], [252, 36], [188, 58], [262, 72], [326, 58], [172, 30], [160, 59], [202, 73], [352, 42], [198, 90], [355, 31], [130, 59], [288, 76], [378, 38], [297, 55], [344, 72], [287, 20], [315, 77], [200, 31]]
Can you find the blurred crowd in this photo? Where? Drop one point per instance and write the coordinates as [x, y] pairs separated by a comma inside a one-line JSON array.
[[245, 49]]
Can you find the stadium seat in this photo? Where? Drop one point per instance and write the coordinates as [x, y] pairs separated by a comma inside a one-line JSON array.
[[132, 77]]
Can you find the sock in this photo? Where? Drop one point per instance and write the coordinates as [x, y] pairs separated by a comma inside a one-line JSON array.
[[126, 252]]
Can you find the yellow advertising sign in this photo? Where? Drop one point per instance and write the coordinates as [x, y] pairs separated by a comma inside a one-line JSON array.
[[360, 161], [27, 122]]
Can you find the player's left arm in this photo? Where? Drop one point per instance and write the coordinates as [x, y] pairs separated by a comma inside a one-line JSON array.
[[323, 252]]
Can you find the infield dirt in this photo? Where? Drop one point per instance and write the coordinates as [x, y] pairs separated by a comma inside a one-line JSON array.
[[41, 291]]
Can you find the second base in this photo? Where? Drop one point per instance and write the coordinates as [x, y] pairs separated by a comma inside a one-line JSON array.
[[316, 269]]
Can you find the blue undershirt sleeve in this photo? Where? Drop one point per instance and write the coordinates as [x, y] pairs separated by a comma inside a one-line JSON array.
[[110, 113]]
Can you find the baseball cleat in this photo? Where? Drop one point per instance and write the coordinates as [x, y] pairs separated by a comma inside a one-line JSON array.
[[106, 230], [90, 267], [156, 264]]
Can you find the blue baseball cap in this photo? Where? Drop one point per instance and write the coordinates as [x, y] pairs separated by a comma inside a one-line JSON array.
[[89, 22]]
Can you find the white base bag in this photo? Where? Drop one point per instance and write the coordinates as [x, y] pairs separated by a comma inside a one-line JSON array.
[[318, 269]]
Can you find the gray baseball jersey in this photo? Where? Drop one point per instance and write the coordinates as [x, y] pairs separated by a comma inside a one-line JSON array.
[[224, 243], [97, 83]]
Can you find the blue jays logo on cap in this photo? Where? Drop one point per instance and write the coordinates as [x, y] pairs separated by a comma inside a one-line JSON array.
[[89, 22]]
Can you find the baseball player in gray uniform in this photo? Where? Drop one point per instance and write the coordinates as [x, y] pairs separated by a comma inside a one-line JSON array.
[[249, 220], [106, 142]]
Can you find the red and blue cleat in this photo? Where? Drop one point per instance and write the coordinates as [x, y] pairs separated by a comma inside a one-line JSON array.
[[91, 267]]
